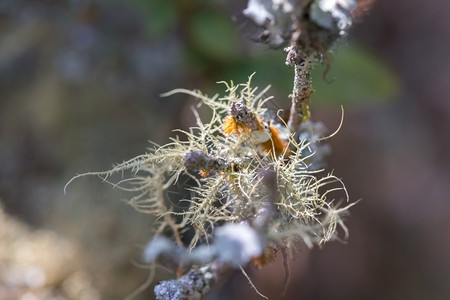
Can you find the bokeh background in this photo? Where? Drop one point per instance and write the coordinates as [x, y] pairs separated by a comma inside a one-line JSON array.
[[79, 90]]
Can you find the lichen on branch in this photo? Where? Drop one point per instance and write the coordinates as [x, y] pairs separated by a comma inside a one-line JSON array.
[[258, 183], [307, 29], [240, 178]]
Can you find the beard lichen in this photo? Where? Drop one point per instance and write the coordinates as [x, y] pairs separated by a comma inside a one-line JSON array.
[[256, 183], [237, 179], [231, 186]]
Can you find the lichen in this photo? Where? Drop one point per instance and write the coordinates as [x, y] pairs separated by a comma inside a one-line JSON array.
[[258, 183], [232, 187]]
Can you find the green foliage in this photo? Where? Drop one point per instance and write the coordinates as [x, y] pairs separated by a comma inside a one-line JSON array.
[[213, 34], [160, 15], [359, 77], [269, 67]]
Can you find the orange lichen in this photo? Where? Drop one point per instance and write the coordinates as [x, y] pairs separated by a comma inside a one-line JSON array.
[[241, 120], [205, 173], [275, 143], [232, 126], [267, 257]]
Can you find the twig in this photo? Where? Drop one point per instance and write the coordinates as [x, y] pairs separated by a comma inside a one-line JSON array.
[[251, 283], [303, 63]]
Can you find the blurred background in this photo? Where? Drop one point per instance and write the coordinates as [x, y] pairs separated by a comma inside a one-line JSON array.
[[79, 90]]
